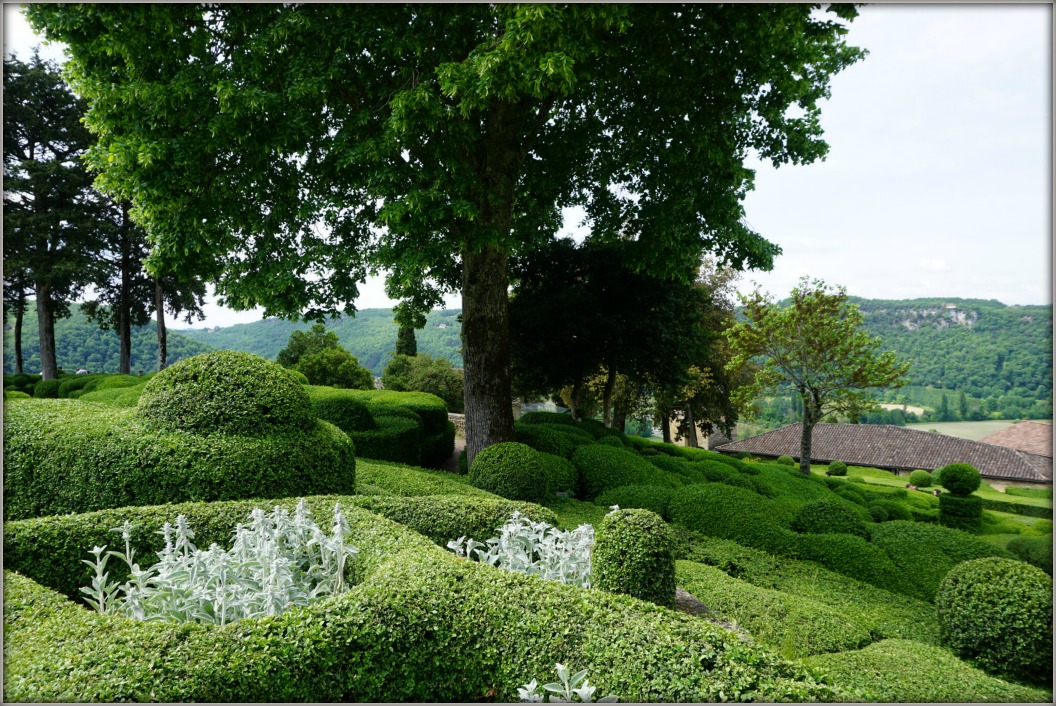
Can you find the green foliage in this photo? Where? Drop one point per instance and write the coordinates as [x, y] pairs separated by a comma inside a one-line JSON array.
[[306, 343], [604, 467], [632, 555], [785, 461], [893, 509], [340, 649], [998, 613], [48, 471], [225, 392], [335, 367], [647, 497], [1016, 508], [959, 478], [118, 397], [963, 512], [346, 413], [405, 341], [1044, 493], [412, 481], [878, 513], [548, 418], [828, 516], [853, 556], [396, 438], [16, 395], [561, 475], [423, 373], [921, 479], [727, 512], [1033, 550], [511, 470], [904, 671], [47, 389], [924, 553], [544, 439], [793, 625], [837, 468]]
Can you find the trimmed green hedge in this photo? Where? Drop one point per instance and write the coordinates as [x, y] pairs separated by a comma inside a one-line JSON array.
[[544, 439], [903, 671], [460, 631], [118, 397], [1033, 550], [437, 448], [828, 517], [225, 392], [795, 626], [397, 439], [1017, 508], [511, 470], [399, 479], [603, 467], [924, 553], [561, 475], [963, 512], [346, 413], [998, 613], [646, 497], [632, 556], [64, 456], [548, 418], [47, 389]]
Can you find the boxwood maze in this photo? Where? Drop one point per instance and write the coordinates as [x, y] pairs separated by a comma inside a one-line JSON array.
[[419, 625]]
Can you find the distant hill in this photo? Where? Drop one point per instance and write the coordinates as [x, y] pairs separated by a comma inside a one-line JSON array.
[[370, 336], [80, 343]]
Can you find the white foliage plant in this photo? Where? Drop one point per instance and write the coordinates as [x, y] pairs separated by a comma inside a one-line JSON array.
[[534, 548], [566, 690], [277, 561]]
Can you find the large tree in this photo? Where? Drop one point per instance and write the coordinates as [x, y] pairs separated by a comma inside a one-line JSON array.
[[816, 343], [54, 225], [302, 145]]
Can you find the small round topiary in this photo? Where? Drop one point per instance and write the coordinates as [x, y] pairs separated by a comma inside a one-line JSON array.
[[837, 468], [226, 392], [509, 469], [921, 479], [998, 613], [632, 555], [47, 389], [561, 475], [828, 517], [786, 461], [744, 456], [878, 513], [960, 478]]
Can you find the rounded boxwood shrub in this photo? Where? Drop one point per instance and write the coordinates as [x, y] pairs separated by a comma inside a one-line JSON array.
[[728, 512], [960, 512], [15, 395], [346, 413], [785, 461], [544, 439], [828, 517], [610, 440], [998, 613], [837, 468], [894, 510], [509, 469], [959, 478], [669, 464], [397, 437], [645, 497], [739, 481], [1033, 550], [921, 479], [603, 467], [577, 436], [561, 475], [852, 556], [713, 470], [878, 513], [852, 494], [225, 392], [632, 555], [47, 389]]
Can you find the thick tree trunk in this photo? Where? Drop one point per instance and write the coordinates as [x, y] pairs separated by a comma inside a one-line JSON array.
[[486, 349], [46, 328], [610, 385], [691, 429], [20, 312], [811, 415], [159, 308], [665, 426], [573, 399]]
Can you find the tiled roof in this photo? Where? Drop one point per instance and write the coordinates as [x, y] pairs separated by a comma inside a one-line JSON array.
[[1032, 437], [897, 448]]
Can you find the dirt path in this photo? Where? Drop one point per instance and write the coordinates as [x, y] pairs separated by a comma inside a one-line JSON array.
[[451, 464]]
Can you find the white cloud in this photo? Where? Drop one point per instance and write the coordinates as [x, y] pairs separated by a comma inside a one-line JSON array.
[[929, 264]]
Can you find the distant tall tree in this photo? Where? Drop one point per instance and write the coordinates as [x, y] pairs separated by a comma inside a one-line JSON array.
[[405, 342], [962, 406], [818, 346], [306, 343], [944, 409], [53, 224], [15, 289]]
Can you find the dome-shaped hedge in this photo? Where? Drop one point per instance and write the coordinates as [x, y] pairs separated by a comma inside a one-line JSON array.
[[921, 479], [632, 555], [509, 469], [829, 517], [226, 392], [837, 468], [998, 612], [959, 478]]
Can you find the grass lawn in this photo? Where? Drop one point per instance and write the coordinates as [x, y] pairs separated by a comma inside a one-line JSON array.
[[964, 430]]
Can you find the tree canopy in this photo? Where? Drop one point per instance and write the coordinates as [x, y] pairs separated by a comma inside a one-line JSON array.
[[299, 146], [817, 345]]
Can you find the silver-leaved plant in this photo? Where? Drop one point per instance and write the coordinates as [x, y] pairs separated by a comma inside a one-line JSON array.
[[567, 689]]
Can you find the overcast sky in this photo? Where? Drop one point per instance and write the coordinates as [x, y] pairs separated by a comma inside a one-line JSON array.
[[938, 181]]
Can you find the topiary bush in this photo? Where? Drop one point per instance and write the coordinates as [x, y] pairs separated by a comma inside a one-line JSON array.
[[644, 497], [852, 494], [853, 556], [561, 475], [728, 512], [548, 418], [47, 389], [893, 509], [397, 437], [959, 478], [225, 392], [837, 468], [346, 413], [713, 470], [509, 469], [878, 513], [1033, 550], [828, 517], [603, 467], [921, 479], [960, 512], [544, 439], [998, 613], [632, 555], [785, 461]]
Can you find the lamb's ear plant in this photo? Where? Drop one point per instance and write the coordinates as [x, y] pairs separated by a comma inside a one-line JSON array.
[[534, 548], [276, 561], [568, 687]]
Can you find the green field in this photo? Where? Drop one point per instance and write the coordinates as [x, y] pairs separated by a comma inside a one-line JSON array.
[[964, 430]]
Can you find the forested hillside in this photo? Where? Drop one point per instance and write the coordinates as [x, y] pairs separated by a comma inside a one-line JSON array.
[[370, 336], [82, 344]]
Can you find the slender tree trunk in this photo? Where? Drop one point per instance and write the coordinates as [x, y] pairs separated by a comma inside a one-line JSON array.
[[573, 399], [124, 301], [46, 328], [610, 385], [159, 308], [486, 349], [665, 425], [811, 415], [691, 429], [20, 312]]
